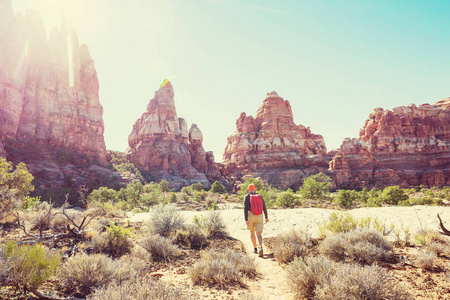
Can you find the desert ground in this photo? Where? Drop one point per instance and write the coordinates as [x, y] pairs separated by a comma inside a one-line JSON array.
[[272, 283]]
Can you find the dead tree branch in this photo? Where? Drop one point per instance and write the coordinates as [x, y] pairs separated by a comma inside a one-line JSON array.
[[444, 231]]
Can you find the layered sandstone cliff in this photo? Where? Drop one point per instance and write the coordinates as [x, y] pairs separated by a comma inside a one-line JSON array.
[[161, 144], [49, 99], [273, 147], [407, 146]]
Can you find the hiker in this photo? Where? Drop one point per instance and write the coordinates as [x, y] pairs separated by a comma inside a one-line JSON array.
[[254, 206]]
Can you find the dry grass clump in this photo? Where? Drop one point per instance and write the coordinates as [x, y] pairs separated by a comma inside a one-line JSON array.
[[304, 275], [355, 282], [425, 259], [320, 278], [214, 225], [291, 245], [437, 248], [364, 246], [191, 236], [142, 288], [222, 269], [425, 237], [165, 220], [160, 248], [80, 274]]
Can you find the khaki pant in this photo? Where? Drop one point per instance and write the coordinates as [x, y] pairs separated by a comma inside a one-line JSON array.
[[255, 223]]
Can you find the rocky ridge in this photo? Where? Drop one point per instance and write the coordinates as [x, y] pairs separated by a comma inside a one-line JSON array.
[[273, 147], [49, 101], [161, 144], [407, 146]]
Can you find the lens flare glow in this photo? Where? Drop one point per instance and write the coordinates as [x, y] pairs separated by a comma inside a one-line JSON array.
[[164, 83]]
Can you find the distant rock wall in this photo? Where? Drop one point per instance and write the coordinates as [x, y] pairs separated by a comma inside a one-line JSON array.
[[48, 93], [407, 146], [161, 144], [273, 147]]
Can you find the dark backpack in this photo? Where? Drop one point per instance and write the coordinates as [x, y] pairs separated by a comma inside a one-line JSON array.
[[256, 204]]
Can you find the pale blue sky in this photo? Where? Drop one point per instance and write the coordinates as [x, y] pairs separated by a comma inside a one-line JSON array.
[[333, 60]]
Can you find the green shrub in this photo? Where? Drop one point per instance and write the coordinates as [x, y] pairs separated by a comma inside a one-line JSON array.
[[15, 185], [31, 202], [223, 269], [197, 187], [115, 241], [393, 195], [346, 198], [260, 188], [364, 246], [103, 194], [164, 186], [291, 245], [165, 220], [187, 190], [340, 222], [26, 265], [160, 248], [288, 199], [217, 187], [173, 198], [316, 187]]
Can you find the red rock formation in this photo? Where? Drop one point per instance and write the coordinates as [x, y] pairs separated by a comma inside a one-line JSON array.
[[161, 144], [272, 146], [48, 95], [407, 146]]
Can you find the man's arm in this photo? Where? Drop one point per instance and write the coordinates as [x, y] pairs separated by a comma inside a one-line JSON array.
[[265, 209], [246, 206]]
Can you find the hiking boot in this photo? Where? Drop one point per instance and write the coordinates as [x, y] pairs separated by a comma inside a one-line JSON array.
[[260, 253], [255, 250]]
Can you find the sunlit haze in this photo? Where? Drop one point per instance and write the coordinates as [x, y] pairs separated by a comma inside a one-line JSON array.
[[333, 60]]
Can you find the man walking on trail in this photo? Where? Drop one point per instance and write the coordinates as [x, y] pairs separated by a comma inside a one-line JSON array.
[[254, 206]]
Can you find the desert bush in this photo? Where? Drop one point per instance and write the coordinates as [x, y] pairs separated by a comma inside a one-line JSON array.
[[81, 273], [200, 196], [217, 187], [260, 188], [31, 202], [173, 198], [340, 222], [346, 198], [15, 185], [364, 246], [222, 269], [165, 220], [355, 282], [288, 199], [425, 259], [165, 186], [291, 245], [191, 236], [187, 190], [305, 275], [160, 248], [424, 237], [315, 187], [103, 194], [115, 241], [393, 195], [27, 266], [142, 288], [197, 187], [214, 225]]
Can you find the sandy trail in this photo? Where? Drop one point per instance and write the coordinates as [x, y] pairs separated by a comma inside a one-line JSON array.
[[272, 283]]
